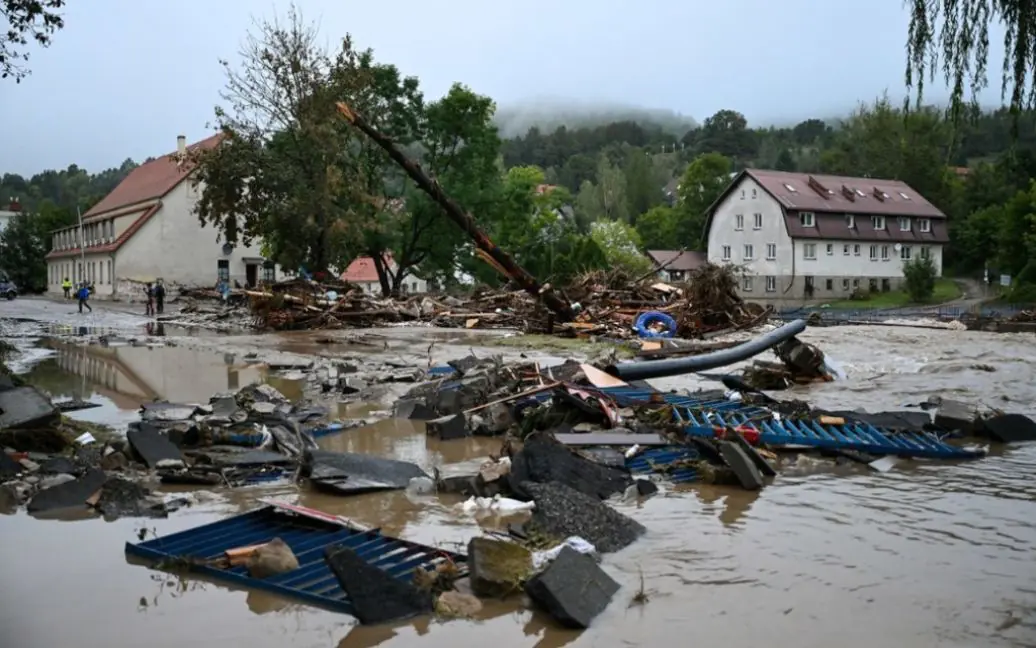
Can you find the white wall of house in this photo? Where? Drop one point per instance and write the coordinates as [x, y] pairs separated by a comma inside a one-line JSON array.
[[412, 286], [777, 267], [171, 245]]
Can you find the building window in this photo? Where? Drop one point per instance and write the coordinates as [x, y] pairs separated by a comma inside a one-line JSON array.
[[757, 220], [878, 222], [771, 251], [223, 270], [726, 253], [926, 253], [806, 219], [856, 284], [904, 253], [269, 275], [739, 222], [904, 224], [747, 284], [904, 196], [845, 249], [829, 284], [884, 253], [874, 253], [742, 194], [754, 194], [749, 252], [850, 221], [845, 285], [809, 251], [771, 284], [100, 269], [109, 272], [856, 250], [413, 287], [830, 249], [925, 225]]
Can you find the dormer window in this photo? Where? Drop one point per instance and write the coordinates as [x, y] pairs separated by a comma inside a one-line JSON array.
[[925, 225], [904, 196], [850, 221], [790, 188], [878, 222], [904, 224], [807, 219]]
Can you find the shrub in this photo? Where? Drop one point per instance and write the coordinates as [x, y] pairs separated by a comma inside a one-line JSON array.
[[919, 275]]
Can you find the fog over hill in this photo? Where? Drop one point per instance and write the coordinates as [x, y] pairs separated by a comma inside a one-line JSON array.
[[548, 114]]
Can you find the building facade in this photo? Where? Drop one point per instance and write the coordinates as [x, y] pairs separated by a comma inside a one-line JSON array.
[[802, 237], [363, 273], [145, 230]]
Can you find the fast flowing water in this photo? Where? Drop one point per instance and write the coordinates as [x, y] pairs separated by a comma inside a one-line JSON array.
[[929, 554]]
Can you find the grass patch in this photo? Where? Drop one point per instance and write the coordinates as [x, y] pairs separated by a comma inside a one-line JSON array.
[[945, 290], [541, 342]]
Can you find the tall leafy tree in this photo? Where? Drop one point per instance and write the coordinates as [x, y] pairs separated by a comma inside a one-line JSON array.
[[701, 184], [24, 244], [27, 21]]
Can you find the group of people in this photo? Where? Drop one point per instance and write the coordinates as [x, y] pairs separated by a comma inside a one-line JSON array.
[[155, 294]]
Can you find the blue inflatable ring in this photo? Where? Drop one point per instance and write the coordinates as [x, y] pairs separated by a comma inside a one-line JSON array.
[[645, 320]]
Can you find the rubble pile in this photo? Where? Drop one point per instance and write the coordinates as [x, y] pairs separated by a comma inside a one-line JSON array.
[[605, 303]]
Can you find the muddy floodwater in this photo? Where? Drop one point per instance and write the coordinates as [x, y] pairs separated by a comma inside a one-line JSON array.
[[929, 554]]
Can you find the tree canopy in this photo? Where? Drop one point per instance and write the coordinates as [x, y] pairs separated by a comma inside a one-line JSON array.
[[28, 21]]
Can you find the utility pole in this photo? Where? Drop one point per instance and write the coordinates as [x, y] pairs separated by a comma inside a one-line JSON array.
[[82, 245]]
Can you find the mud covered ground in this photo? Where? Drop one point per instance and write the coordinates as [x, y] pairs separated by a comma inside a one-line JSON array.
[[931, 554]]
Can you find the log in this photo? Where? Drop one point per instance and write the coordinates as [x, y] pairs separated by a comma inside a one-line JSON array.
[[560, 307]]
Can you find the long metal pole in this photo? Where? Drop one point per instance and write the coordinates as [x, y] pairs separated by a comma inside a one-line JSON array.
[[82, 244]]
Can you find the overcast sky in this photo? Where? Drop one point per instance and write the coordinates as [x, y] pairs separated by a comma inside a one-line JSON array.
[[124, 77]]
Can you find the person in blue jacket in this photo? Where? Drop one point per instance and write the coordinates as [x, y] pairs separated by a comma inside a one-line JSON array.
[[83, 294]]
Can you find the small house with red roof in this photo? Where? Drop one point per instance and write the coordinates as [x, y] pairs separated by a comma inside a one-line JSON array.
[[363, 273], [146, 229]]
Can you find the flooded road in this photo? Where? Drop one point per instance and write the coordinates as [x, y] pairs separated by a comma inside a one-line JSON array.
[[929, 554]]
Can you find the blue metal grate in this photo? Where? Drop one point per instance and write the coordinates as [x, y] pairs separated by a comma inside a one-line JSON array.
[[659, 460], [313, 581]]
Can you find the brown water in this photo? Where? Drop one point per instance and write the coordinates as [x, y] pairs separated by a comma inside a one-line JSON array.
[[930, 554]]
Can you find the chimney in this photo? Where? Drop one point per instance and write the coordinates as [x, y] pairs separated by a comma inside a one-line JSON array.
[[181, 144]]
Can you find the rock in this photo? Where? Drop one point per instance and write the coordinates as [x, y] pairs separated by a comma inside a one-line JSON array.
[[166, 412], [1009, 428], [956, 416], [152, 446], [497, 567], [455, 605], [223, 406], [497, 419], [351, 384], [412, 409], [114, 461], [744, 468], [346, 473], [26, 407], [421, 486], [573, 589], [57, 465], [9, 501], [71, 494], [645, 487], [491, 471], [21, 489], [464, 365], [542, 460], [375, 595], [273, 558], [121, 497], [263, 408], [29, 465], [55, 480], [448, 428], [562, 511], [263, 393], [8, 467]]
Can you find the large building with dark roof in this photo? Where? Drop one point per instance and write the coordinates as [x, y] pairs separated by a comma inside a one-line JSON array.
[[803, 236]]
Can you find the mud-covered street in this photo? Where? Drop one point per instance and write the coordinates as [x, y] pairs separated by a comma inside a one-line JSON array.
[[928, 554]]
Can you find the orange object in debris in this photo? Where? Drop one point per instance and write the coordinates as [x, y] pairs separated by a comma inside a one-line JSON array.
[[240, 555], [750, 435]]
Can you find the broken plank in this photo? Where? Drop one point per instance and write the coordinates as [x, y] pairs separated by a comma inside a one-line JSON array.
[[611, 438]]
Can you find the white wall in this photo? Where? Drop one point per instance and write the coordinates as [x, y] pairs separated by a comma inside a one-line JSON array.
[[723, 231], [838, 264], [414, 286]]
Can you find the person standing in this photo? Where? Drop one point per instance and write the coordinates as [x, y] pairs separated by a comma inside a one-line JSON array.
[[159, 297], [66, 286], [149, 294], [83, 295]]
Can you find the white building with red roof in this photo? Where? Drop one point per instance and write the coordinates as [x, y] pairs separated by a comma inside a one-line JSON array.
[[363, 273], [145, 230]]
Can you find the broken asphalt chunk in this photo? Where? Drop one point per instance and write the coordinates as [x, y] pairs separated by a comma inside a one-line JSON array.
[[153, 447], [741, 464], [412, 409], [573, 589], [562, 511], [542, 459], [955, 416], [449, 427], [26, 407], [497, 567], [166, 412], [1009, 428], [70, 494], [375, 595], [347, 473]]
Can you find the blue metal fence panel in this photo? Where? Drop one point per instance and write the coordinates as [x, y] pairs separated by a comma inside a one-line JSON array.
[[664, 460], [313, 582]]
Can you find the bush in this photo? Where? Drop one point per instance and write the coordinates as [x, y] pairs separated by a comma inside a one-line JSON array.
[[919, 275]]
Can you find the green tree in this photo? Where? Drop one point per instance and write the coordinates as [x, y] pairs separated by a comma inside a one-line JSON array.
[[27, 20], [659, 228], [23, 249], [919, 276], [958, 32], [620, 244], [643, 191], [701, 185], [785, 161], [727, 133]]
